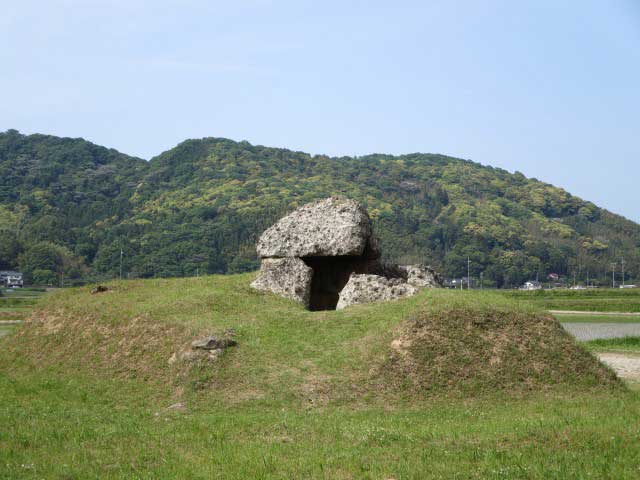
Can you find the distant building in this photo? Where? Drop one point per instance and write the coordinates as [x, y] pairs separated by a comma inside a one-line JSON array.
[[531, 285], [459, 283], [11, 279]]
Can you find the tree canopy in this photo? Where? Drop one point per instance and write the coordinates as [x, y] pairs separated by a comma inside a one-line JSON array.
[[199, 208]]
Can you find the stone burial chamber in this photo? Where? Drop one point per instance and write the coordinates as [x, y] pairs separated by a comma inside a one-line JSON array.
[[325, 256]]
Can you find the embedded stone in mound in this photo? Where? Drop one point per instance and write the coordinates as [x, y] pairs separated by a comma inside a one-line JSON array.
[[213, 343], [328, 228], [288, 277], [421, 276], [373, 288]]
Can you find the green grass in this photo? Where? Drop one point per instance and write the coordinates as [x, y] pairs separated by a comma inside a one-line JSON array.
[[16, 309], [18, 304], [624, 344], [85, 394], [8, 302], [577, 318], [57, 425], [596, 300]]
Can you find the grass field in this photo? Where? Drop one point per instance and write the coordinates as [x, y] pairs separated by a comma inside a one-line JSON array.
[[58, 425], [17, 304], [89, 393], [596, 300], [577, 318], [16, 310], [625, 344]]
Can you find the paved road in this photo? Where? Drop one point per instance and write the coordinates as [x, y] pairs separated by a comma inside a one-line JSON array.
[[593, 331]]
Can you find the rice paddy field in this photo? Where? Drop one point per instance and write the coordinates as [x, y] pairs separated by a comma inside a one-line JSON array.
[[592, 300]]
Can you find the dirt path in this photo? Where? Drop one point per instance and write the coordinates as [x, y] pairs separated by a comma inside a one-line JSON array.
[[578, 312], [626, 365]]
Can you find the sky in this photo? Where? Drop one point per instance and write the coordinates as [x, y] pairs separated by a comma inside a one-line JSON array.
[[550, 88]]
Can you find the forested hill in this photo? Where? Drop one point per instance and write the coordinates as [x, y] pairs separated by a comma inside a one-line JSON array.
[[68, 207]]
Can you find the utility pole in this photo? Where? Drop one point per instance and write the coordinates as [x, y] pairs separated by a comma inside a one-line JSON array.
[[587, 278], [468, 273], [197, 272], [613, 275], [481, 280], [622, 262], [121, 253]]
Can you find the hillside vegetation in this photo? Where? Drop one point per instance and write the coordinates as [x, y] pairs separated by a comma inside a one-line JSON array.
[[442, 385], [68, 208]]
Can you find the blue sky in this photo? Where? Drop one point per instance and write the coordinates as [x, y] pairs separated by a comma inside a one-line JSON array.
[[548, 88]]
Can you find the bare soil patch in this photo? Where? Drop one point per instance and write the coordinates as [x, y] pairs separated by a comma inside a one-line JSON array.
[[626, 365]]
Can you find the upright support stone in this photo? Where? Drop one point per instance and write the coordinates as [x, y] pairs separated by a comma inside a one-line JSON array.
[[288, 277]]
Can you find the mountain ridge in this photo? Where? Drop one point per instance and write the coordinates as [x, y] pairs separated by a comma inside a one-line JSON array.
[[198, 208]]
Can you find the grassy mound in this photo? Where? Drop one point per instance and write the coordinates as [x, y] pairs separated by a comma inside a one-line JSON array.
[[486, 343], [439, 342]]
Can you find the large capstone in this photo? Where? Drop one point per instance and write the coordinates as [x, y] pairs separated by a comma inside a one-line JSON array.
[[332, 227], [326, 256]]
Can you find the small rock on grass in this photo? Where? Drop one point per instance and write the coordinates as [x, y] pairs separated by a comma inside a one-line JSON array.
[[210, 347], [213, 343]]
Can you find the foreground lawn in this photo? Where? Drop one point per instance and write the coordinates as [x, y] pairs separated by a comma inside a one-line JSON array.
[[56, 425], [88, 392]]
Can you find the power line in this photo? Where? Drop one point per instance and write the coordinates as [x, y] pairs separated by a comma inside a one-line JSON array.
[[613, 275]]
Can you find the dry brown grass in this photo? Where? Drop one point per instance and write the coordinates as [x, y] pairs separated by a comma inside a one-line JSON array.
[[467, 351]]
